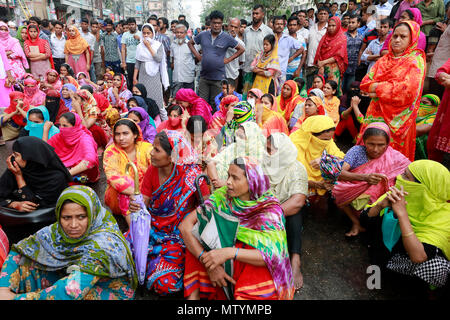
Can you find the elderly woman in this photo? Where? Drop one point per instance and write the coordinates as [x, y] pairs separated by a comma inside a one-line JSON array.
[[169, 194], [415, 223], [35, 176], [251, 251], [128, 147], [289, 183], [395, 85], [82, 256], [367, 173], [311, 139]]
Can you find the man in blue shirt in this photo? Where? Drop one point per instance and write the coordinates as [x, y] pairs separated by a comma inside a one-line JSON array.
[[228, 88], [215, 44]]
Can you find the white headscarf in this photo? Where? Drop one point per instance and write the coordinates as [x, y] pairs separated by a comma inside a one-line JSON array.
[[151, 66]]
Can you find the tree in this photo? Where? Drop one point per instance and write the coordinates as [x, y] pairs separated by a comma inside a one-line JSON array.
[[229, 8]]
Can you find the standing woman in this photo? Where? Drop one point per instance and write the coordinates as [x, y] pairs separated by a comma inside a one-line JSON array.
[[14, 52], [38, 52], [395, 85], [151, 67], [6, 79], [128, 147], [331, 56], [77, 51], [119, 94]]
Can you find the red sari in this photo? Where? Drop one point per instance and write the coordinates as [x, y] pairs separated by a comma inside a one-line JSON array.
[[400, 82]]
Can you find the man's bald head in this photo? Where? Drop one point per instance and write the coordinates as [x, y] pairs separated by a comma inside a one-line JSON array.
[[233, 26]]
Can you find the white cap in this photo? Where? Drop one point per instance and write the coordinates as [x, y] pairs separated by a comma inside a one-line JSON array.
[[11, 24]]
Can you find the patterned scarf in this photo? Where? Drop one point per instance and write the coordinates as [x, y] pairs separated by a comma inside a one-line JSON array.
[[102, 250], [243, 112]]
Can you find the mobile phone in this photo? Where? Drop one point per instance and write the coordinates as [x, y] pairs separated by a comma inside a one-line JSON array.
[[13, 159]]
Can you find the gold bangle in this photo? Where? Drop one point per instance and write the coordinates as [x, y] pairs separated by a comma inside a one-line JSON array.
[[408, 234]]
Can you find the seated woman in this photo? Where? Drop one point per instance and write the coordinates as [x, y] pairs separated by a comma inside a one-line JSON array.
[[39, 124], [313, 106], [268, 120], [288, 100], [136, 101], [169, 194], [77, 149], [83, 80], [266, 67], [367, 173], [84, 104], [153, 109], [220, 116], [289, 183], [332, 102], [55, 106], [311, 139], [193, 104], [175, 120], [82, 256], [237, 115], [13, 118], [118, 94], [33, 96], [66, 95], [318, 83], [128, 147], [4, 247], [425, 117], [66, 72], [416, 210], [250, 141], [52, 81], [255, 246], [138, 115], [35, 176], [201, 139]]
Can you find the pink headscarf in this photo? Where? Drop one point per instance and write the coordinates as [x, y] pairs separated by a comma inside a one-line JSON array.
[[199, 106], [12, 44], [33, 95], [75, 144]]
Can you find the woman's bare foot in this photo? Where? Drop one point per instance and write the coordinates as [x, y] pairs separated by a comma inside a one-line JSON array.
[[297, 274], [355, 230]]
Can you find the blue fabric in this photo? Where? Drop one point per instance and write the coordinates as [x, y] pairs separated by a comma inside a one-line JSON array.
[[68, 102], [219, 97], [390, 228], [37, 129]]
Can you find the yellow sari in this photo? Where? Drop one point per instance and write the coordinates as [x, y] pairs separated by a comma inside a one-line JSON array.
[[271, 64]]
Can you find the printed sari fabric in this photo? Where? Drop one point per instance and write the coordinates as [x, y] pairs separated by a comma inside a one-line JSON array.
[[124, 95], [169, 204], [311, 148], [220, 117], [286, 106], [399, 87], [425, 116], [261, 227], [100, 263], [115, 160], [391, 164], [271, 64], [4, 247]]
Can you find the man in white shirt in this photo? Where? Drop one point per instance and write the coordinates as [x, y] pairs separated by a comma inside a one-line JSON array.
[[232, 68], [90, 39], [182, 61], [316, 32], [302, 31], [58, 41], [384, 8]]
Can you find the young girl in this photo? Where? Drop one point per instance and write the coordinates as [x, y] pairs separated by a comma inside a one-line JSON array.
[[267, 67], [176, 120], [118, 94], [331, 101]]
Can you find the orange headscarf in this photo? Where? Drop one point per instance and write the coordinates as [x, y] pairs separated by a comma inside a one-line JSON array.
[[287, 106], [76, 44]]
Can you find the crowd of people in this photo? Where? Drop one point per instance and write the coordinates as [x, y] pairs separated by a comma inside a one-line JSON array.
[[253, 117]]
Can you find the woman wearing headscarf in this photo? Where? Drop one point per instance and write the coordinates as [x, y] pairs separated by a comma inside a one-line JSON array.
[[33, 95], [266, 67], [55, 106], [119, 94], [66, 97], [416, 211], [22, 35], [313, 106], [13, 118], [82, 256], [6, 79], [169, 194], [34, 178], [136, 101], [128, 146], [219, 118], [141, 117], [288, 100], [52, 81], [367, 173], [412, 14], [177, 119], [426, 115], [395, 85], [39, 124], [39, 53], [67, 75], [313, 137], [331, 56], [151, 67], [14, 52], [77, 51], [76, 148], [153, 108], [84, 104], [254, 257], [238, 114], [193, 104], [438, 143], [250, 141], [289, 183]]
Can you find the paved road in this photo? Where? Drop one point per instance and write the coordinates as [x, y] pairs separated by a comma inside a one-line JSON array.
[[333, 267]]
